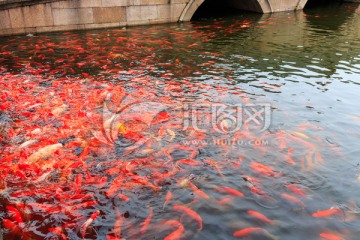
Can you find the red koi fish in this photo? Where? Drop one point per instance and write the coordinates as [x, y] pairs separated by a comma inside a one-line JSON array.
[[58, 231], [84, 205], [12, 227], [14, 214], [191, 213]]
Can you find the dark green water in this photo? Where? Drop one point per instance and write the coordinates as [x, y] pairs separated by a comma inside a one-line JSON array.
[[305, 64]]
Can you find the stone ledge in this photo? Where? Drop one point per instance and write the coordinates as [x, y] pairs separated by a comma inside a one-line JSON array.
[[8, 4], [77, 27]]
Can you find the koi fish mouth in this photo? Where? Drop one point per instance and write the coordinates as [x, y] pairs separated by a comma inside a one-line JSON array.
[[128, 127]]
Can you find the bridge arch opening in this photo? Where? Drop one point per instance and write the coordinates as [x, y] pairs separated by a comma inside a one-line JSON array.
[[320, 3], [213, 8], [316, 9]]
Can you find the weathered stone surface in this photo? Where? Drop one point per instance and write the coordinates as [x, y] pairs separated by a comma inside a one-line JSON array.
[[149, 12], [133, 13], [134, 2], [189, 10], [176, 9], [141, 13], [77, 4], [114, 3], [17, 18], [164, 11], [89, 3], [69, 16], [180, 1], [109, 14], [5, 19], [38, 15], [153, 2], [283, 5], [62, 4]]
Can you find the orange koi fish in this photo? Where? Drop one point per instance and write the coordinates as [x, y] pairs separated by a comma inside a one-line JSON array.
[[147, 221], [263, 169], [257, 190], [231, 191], [260, 216], [191, 213], [211, 162], [144, 182], [327, 213], [177, 233], [167, 198], [188, 162], [225, 200], [247, 231], [117, 228], [328, 236], [198, 191], [296, 190], [123, 197], [293, 199], [114, 186]]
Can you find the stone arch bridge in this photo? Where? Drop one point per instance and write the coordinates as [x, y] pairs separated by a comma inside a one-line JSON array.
[[32, 16]]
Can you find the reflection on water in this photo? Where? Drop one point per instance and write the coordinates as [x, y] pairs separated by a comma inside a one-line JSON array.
[[93, 143]]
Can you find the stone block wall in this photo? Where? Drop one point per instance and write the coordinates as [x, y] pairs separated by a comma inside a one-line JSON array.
[[33, 16], [50, 15]]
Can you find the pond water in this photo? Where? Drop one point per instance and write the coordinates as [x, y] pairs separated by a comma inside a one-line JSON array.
[[241, 126]]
